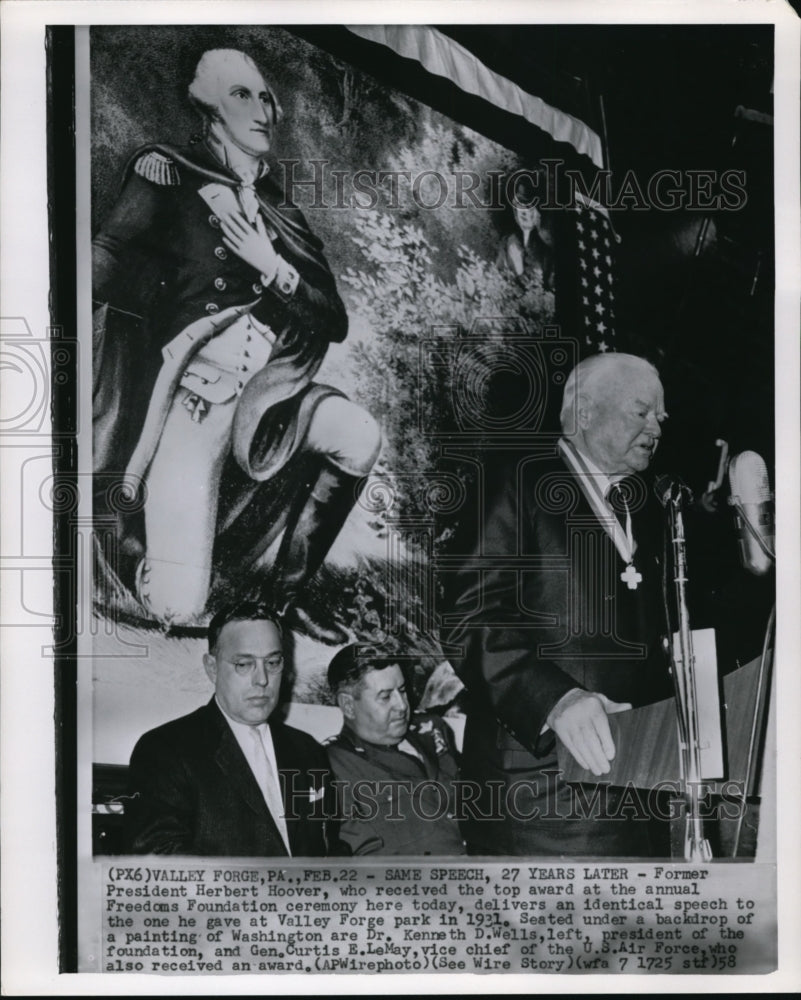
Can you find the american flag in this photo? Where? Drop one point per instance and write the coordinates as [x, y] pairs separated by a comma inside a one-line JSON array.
[[586, 305]]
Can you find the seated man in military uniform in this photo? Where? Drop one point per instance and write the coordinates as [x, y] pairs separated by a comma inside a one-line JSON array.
[[216, 309], [394, 778]]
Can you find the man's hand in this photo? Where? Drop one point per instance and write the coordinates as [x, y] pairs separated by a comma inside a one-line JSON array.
[[579, 720], [254, 247]]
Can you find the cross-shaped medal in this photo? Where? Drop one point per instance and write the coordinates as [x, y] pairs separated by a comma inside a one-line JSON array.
[[630, 576]]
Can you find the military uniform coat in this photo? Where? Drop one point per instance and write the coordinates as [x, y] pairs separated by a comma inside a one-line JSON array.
[[392, 802], [161, 277]]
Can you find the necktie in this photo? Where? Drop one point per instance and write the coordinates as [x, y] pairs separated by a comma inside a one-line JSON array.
[[616, 497], [249, 202], [268, 783]]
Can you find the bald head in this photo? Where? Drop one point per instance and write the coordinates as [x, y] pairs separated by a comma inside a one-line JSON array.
[[613, 407]]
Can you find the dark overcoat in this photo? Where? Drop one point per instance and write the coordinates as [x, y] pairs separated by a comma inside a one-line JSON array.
[[533, 608]]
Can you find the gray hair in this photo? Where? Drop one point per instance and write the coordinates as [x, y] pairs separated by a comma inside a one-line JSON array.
[[586, 376], [203, 99]]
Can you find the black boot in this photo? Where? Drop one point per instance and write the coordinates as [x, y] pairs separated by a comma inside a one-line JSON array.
[[312, 527]]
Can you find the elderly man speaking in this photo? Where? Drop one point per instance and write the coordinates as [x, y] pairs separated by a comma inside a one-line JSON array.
[[217, 307], [557, 613]]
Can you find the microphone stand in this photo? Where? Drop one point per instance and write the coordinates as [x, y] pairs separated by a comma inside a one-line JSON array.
[[696, 846], [759, 720]]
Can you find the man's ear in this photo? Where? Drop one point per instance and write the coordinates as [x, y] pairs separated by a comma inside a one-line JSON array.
[[584, 409], [345, 702], [210, 663]]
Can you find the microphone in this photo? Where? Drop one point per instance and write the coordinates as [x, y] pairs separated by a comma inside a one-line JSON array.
[[671, 489], [753, 511]]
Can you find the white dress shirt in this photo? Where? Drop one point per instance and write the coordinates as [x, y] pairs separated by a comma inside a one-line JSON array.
[[267, 777]]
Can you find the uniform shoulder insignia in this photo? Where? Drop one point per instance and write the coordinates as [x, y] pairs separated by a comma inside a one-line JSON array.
[[158, 169]]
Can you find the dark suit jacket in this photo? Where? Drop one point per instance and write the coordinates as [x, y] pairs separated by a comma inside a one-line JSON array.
[[194, 793], [537, 607]]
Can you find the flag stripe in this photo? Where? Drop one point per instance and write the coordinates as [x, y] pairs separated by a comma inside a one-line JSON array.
[[444, 57]]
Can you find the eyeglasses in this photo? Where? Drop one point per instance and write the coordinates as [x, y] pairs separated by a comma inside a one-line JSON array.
[[245, 665]]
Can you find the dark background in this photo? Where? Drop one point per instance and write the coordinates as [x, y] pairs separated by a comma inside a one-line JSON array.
[[699, 303], [704, 313]]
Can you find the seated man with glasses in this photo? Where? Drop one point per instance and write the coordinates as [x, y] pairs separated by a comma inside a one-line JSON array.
[[228, 780]]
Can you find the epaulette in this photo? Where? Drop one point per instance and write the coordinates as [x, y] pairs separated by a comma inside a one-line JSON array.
[[343, 740], [158, 169]]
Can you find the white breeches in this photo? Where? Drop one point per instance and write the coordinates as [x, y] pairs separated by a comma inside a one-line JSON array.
[[183, 484]]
